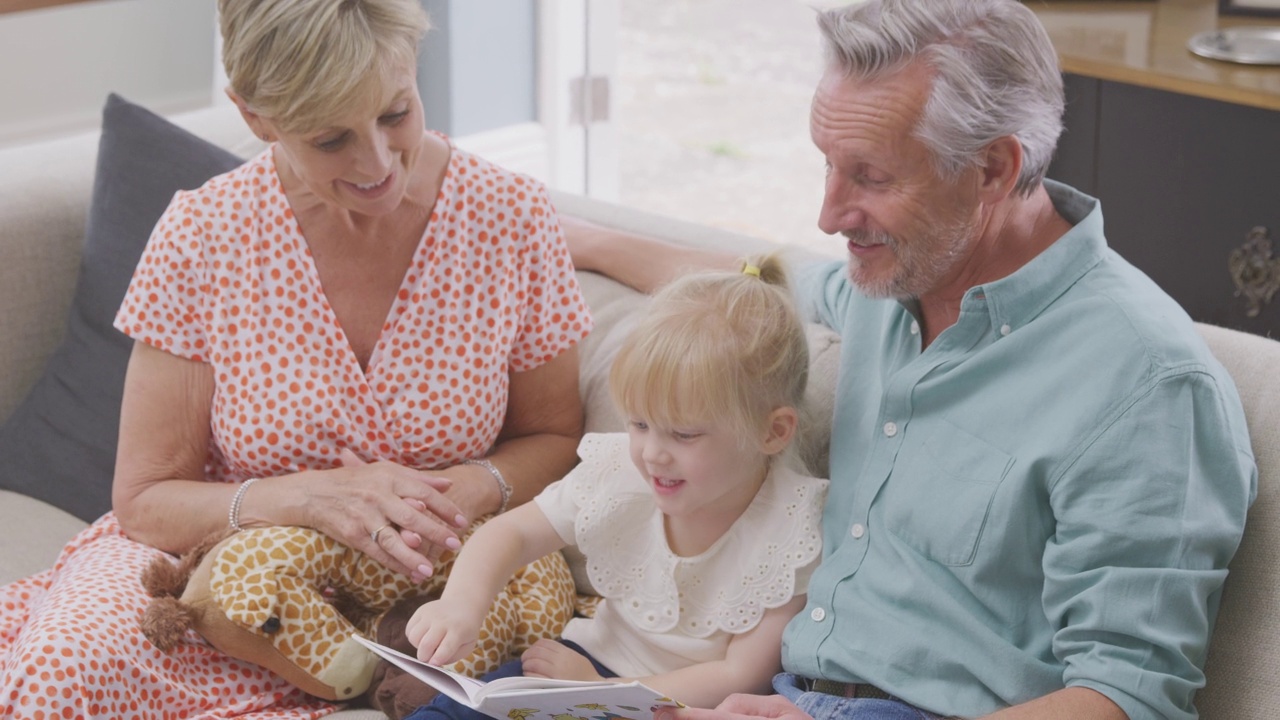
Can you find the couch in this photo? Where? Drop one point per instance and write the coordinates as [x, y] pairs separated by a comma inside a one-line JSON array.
[[45, 192]]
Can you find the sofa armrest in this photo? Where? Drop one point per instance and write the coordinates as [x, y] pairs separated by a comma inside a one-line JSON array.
[[34, 535], [681, 232]]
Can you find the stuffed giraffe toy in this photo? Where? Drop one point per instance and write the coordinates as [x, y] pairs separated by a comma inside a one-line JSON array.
[[289, 599]]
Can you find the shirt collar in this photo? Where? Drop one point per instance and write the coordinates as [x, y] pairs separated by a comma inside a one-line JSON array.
[[1016, 299]]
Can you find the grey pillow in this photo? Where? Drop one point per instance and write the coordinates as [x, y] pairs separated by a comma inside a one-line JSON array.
[[60, 444]]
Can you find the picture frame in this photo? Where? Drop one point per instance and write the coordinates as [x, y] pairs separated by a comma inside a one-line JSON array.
[[1259, 8], [1112, 36]]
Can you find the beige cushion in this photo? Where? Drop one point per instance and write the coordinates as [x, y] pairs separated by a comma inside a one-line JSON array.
[[1243, 680], [44, 200], [34, 533]]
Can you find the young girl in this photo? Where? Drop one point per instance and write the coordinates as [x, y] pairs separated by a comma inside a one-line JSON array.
[[698, 532]]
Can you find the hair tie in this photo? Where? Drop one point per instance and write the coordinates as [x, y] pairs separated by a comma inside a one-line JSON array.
[[749, 269]]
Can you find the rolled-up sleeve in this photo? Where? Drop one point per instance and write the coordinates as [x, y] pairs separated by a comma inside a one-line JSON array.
[[1135, 568]]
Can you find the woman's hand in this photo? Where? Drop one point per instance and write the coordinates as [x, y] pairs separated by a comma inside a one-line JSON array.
[[397, 515], [550, 659], [445, 631]]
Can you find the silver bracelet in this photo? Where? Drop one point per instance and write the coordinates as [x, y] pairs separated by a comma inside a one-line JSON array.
[[503, 486], [233, 515]]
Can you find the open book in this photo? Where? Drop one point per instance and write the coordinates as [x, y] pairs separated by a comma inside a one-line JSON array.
[[530, 698]]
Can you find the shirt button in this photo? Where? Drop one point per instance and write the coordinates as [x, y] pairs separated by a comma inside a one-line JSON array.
[[1005, 329], [915, 328], [890, 429], [818, 614], [857, 531]]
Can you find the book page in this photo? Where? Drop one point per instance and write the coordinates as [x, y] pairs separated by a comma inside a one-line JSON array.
[[459, 687], [465, 689], [524, 684], [614, 701], [530, 698]]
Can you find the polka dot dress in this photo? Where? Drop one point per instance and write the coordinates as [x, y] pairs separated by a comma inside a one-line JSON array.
[[227, 279]]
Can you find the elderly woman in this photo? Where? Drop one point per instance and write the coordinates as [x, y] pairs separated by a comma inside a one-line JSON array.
[[362, 330]]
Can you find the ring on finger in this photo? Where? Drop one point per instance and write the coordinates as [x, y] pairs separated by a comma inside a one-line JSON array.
[[374, 535]]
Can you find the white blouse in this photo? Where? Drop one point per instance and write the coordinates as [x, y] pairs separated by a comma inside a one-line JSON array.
[[663, 612]]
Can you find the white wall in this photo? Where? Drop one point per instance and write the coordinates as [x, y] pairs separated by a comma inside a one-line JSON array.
[[57, 65]]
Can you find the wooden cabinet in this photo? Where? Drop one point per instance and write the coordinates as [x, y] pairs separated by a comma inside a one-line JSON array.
[[1183, 180], [1183, 152]]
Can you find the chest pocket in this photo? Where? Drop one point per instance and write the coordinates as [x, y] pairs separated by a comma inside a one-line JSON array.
[[939, 495]]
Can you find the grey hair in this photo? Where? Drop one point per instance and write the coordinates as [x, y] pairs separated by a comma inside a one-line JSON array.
[[995, 74]]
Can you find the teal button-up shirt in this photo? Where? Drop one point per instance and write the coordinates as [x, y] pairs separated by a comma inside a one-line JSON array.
[[1046, 496]]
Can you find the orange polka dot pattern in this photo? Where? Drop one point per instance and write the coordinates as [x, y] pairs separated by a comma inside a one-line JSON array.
[[71, 647], [227, 279]]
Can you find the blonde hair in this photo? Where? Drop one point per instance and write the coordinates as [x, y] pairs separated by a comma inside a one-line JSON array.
[[300, 62], [722, 347]]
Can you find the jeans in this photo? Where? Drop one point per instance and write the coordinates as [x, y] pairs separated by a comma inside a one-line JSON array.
[[444, 707], [833, 707]]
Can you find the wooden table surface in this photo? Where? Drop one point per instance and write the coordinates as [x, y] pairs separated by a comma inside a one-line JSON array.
[[1145, 44]]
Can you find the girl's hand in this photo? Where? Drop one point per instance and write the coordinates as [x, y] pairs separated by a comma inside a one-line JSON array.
[[445, 631], [550, 659]]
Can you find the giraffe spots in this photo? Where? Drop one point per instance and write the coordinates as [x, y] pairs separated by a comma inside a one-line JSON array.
[[283, 573]]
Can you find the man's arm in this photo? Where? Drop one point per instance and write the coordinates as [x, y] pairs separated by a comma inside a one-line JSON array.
[[639, 262], [1073, 703], [1148, 514]]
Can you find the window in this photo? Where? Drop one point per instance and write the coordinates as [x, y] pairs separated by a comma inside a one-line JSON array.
[[711, 114]]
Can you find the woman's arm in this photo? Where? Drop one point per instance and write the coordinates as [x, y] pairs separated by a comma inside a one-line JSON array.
[[159, 492], [446, 630], [639, 262], [539, 439], [161, 497], [1073, 703]]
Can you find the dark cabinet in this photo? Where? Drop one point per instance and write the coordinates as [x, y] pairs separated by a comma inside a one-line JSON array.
[[1183, 181]]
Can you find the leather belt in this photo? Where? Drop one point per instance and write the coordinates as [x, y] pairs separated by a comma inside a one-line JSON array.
[[848, 690], [860, 691]]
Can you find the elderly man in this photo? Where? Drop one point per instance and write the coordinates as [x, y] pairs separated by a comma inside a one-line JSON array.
[[1039, 472]]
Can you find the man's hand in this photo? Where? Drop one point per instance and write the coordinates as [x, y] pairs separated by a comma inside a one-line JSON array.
[[738, 707]]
